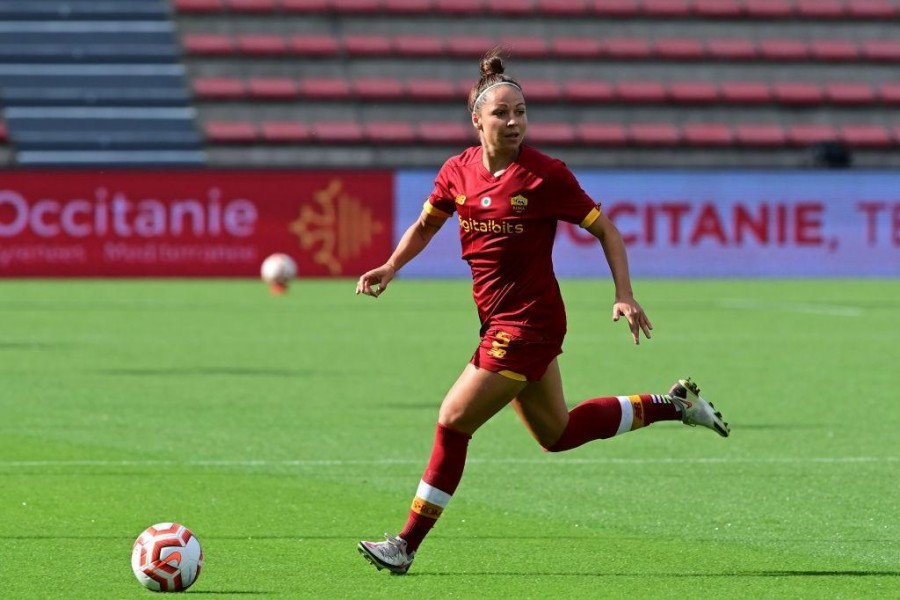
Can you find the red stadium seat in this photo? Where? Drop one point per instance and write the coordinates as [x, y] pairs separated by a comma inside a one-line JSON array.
[[783, 50], [390, 132], [325, 88], [203, 44], [834, 50], [718, 9], [273, 88], [525, 47], [555, 134], [576, 47], [440, 90], [641, 91], [881, 50], [866, 136], [198, 6], [602, 134], [338, 132], [693, 92], [760, 135], [285, 132], [588, 91], [627, 48], [460, 7], [367, 45], [219, 88], [654, 134], [745, 92], [469, 46], [540, 90], [875, 10], [706, 134], [795, 93], [731, 49], [313, 45], [615, 8], [679, 49], [819, 9], [419, 45], [262, 45], [768, 9], [230, 132], [562, 8], [251, 6], [849, 93], [377, 88], [889, 93], [809, 134], [305, 6], [445, 133], [516, 8], [408, 7], [664, 9], [356, 6]]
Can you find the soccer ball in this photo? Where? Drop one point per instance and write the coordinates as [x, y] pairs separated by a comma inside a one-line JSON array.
[[167, 557], [278, 270]]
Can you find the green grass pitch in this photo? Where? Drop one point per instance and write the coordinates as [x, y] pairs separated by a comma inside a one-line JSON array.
[[284, 429]]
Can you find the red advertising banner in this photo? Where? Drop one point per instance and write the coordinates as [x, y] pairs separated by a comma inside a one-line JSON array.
[[192, 223]]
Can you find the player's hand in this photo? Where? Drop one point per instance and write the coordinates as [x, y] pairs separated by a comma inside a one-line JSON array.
[[638, 320], [374, 282]]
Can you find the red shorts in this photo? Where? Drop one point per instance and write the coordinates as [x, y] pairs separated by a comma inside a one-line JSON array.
[[516, 353]]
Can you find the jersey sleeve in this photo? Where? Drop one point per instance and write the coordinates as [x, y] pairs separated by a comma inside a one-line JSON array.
[[572, 203], [441, 202]]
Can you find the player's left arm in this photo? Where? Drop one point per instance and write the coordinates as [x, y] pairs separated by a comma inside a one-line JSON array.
[[625, 305]]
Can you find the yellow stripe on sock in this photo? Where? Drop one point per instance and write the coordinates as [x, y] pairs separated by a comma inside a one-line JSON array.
[[426, 508], [637, 408]]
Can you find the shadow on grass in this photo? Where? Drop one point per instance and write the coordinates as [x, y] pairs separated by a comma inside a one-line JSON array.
[[210, 372], [784, 573], [227, 592]]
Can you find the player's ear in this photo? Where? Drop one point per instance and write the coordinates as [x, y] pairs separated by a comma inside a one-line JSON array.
[[476, 121]]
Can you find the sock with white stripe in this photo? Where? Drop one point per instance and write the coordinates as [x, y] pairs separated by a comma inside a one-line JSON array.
[[602, 418], [441, 477]]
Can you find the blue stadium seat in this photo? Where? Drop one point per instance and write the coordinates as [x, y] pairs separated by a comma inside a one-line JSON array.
[[120, 10]]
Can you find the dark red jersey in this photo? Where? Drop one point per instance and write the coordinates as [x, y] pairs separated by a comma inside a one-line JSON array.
[[507, 225]]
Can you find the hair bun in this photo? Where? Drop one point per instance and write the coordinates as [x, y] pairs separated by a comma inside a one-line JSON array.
[[491, 65]]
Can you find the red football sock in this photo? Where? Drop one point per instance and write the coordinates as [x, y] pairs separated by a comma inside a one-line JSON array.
[[444, 472], [602, 418]]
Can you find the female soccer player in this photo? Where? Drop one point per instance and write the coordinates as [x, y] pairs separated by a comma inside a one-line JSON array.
[[508, 198]]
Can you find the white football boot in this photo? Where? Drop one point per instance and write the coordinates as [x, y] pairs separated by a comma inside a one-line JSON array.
[[390, 554], [694, 409]]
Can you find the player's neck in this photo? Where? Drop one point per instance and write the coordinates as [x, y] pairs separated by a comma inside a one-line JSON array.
[[498, 161]]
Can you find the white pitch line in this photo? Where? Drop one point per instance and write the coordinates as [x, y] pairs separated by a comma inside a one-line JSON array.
[[831, 310], [419, 461]]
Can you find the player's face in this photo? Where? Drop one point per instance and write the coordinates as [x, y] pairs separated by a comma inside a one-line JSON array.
[[502, 120]]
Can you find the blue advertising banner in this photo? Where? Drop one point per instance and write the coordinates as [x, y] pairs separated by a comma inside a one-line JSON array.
[[709, 224]]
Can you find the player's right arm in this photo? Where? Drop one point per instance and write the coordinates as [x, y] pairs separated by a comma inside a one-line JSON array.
[[414, 240]]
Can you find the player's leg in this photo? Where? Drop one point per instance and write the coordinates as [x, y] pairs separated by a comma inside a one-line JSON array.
[[477, 395], [542, 408]]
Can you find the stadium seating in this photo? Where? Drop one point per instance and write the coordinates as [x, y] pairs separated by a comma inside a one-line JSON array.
[[692, 93], [748, 135], [85, 80], [772, 50], [823, 10], [645, 81]]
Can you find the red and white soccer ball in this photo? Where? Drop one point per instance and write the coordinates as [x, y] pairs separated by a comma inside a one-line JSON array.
[[278, 270], [167, 557]]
